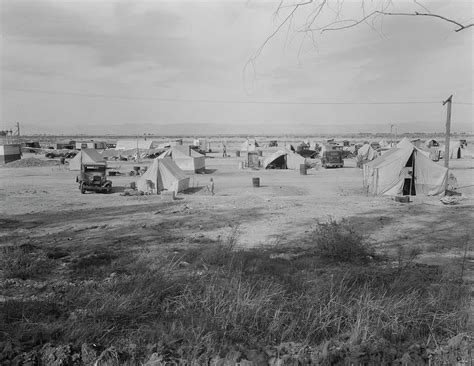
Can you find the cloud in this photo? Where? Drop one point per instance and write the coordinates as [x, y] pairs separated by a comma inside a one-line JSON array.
[[115, 36], [198, 49]]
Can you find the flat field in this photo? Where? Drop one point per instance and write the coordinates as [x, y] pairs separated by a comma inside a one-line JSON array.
[[42, 208]]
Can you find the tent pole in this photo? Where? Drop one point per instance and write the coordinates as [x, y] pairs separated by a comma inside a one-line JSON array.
[[412, 180], [447, 137], [448, 131], [138, 152]]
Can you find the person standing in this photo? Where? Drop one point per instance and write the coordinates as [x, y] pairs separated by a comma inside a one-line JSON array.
[[210, 186]]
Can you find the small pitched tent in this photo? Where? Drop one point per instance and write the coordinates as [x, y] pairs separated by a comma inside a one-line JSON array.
[[404, 171], [186, 158], [455, 150], [283, 159], [85, 156], [163, 174], [367, 152], [432, 143]]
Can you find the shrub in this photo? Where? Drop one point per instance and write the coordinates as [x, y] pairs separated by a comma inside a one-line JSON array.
[[339, 242], [23, 262]]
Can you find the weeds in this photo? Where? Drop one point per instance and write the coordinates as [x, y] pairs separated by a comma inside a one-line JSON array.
[[24, 262], [227, 296]]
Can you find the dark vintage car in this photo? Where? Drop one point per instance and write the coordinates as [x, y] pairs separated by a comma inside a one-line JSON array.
[[332, 159], [305, 151], [60, 154], [93, 178]]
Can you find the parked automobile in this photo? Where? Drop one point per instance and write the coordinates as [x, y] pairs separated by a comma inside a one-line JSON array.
[[93, 178], [332, 159]]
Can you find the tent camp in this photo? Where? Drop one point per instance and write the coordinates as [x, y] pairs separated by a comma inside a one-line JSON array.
[[404, 171], [163, 174], [283, 159], [186, 158], [85, 156]]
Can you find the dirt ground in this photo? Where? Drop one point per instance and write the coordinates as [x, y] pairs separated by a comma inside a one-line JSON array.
[[43, 206]]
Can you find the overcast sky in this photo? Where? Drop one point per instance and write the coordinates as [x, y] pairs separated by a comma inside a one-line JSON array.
[[70, 66]]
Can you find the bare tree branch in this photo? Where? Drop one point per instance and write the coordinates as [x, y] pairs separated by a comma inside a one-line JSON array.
[[381, 9], [257, 53], [377, 12]]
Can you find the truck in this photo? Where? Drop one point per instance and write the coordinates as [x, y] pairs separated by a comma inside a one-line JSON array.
[[93, 178], [332, 159]]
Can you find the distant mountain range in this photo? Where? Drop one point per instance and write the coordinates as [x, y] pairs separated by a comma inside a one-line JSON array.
[[226, 128]]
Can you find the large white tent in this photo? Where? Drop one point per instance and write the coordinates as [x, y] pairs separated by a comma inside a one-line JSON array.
[[86, 156], [283, 159], [186, 158], [163, 174], [404, 171], [407, 144]]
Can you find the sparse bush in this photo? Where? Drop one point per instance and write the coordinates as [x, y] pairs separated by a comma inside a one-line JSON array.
[[23, 262], [339, 242]]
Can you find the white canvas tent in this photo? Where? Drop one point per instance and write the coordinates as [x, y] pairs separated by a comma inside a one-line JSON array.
[[284, 159], [85, 156], [404, 171], [163, 174], [186, 158], [455, 150], [406, 144], [367, 152]]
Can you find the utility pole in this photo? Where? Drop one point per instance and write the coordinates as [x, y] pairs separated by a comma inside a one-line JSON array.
[[448, 131], [392, 142], [18, 130], [138, 151]]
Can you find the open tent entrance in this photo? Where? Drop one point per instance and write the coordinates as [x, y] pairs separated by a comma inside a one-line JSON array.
[[278, 163], [409, 183]]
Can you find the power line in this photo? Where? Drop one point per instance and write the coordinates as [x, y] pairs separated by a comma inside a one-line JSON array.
[[214, 101]]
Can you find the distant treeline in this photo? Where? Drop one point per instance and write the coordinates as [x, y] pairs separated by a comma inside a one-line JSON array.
[[362, 135]]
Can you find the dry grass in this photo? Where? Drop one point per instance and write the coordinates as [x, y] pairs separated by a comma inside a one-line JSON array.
[[24, 262], [225, 297]]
